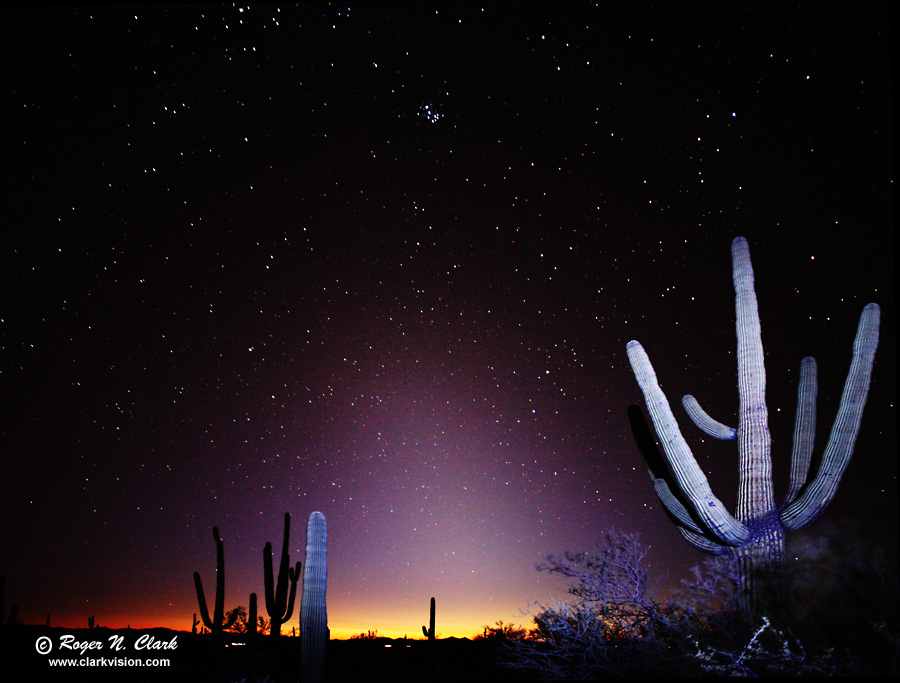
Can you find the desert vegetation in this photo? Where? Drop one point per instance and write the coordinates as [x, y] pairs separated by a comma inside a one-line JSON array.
[[840, 618], [822, 606]]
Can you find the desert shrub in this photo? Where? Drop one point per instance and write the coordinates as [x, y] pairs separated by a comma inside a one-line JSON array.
[[242, 622], [501, 633], [615, 625]]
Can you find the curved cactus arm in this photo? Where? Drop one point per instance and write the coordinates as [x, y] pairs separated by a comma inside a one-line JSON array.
[[839, 449], [702, 543], [201, 599], [659, 474], [804, 428], [674, 507], [684, 522], [293, 575], [703, 420], [687, 472]]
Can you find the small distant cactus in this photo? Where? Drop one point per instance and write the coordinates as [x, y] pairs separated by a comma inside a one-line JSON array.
[[194, 625], [91, 621], [314, 611], [429, 632], [217, 624], [14, 612]]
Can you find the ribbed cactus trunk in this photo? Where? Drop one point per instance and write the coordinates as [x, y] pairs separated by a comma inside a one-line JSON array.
[[760, 565], [754, 536], [313, 611], [761, 558]]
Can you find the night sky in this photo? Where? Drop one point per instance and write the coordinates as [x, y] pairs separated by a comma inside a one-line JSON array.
[[382, 261]]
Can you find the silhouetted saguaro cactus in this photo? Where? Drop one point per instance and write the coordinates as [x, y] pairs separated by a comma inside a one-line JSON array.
[[194, 624], [217, 624], [429, 632], [754, 537], [313, 611], [14, 612], [280, 601], [251, 617]]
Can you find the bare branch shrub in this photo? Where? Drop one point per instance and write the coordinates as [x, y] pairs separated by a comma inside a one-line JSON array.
[[615, 625]]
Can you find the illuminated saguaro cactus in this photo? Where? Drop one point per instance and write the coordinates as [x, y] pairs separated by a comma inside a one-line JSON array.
[[314, 611], [754, 536]]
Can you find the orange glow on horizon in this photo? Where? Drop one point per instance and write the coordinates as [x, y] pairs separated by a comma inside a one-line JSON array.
[[340, 628]]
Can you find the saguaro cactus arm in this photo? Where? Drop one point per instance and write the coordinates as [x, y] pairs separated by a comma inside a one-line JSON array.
[[804, 428], [201, 599], [703, 420], [839, 449], [293, 577], [663, 483], [690, 477], [685, 523]]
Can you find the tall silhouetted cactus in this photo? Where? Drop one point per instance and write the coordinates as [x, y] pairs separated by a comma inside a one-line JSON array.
[[754, 536], [252, 622], [313, 611], [14, 612], [217, 624], [280, 600], [429, 632]]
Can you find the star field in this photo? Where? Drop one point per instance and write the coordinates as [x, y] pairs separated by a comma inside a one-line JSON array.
[[382, 260]]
